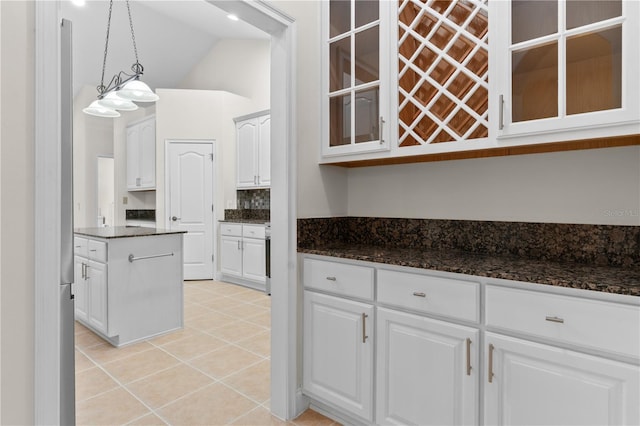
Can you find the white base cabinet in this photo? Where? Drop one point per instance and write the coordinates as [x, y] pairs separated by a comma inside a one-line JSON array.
[[427, 371], [231, 255], [243, 254], [129, 289], [543, 355], [90, 286], [338, 352], [537, 384]]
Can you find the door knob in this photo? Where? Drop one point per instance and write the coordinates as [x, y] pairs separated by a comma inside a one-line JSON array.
[[173, 218]]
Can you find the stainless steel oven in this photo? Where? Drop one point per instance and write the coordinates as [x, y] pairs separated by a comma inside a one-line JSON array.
[[267, 251]]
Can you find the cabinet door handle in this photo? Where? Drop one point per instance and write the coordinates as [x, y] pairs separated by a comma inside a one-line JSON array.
[[490, 373], [419, 294], [364, 327], [468, 356], [83, 273], [501, 112], [331, 278], [554, 319], [86, 272], [239, 246], [138, 181], [381, 130]]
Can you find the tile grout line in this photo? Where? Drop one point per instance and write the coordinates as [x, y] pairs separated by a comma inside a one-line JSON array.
[[188, 362]]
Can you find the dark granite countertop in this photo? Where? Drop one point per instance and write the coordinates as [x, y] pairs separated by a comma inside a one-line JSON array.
[[609, 279], [123, 232]]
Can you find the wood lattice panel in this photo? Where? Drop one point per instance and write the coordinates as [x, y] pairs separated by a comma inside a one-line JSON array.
[[443, 68]]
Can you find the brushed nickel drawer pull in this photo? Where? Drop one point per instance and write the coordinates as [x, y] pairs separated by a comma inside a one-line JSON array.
[[555, 319], [468, 356], [419, 294], [491, 347], [331, 278], [364, 327]]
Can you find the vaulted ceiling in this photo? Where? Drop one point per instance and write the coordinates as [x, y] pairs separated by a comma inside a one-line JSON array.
[[171, 37]]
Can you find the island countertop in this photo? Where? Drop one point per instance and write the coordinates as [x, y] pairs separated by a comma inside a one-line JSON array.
[[123, 232]]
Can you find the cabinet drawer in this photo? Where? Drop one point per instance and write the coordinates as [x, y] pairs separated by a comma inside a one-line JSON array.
[[601, 325], [97, 250], [253, 231], [80, 247], [434, 295], [232, 229], [339, 278]]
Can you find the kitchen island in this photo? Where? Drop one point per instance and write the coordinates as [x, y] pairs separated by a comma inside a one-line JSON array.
[[128, 282]]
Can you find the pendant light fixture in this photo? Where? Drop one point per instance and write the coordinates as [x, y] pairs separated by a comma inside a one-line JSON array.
[[123, 89]]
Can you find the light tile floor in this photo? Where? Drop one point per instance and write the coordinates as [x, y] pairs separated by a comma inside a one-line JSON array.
[[216, 371]]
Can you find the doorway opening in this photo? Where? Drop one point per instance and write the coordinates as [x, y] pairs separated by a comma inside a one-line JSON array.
[[284, 402]]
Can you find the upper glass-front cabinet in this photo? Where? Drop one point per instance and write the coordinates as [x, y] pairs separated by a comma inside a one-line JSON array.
[[355, 76], [565, 65]]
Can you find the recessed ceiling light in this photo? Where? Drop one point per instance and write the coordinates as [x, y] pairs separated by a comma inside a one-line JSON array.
[[78, 2], [232, 17]]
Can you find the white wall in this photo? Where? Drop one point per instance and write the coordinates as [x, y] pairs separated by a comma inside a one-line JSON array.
[[199, 114], [17, 217], [600, 186], [237, 66], [92, 137]]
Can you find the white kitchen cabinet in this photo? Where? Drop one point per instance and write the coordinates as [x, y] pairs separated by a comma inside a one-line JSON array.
[[338, 353], [141, 155], [560, 352], [97, 296], [231, 255], [543, 355], [427, 371], [253, 259], [80, 289], [90, 287], [128, 287], [553, 71], [355, 77], [243, 254], [564, 70], [253, 141], [538, 384]]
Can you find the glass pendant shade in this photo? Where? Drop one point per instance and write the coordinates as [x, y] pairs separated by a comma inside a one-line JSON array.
[[114, 101], [137, 91], [100, 111]]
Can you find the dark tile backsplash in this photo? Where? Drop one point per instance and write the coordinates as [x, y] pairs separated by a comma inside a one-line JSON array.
[[589, 244], [241, 215], [255, 199]]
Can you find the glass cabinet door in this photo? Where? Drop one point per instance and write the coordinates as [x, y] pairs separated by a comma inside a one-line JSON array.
[[565, 57], [569, 64], [354, 101]]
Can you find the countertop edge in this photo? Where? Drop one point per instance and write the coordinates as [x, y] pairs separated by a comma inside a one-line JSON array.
[[124, 232], [593, 278]]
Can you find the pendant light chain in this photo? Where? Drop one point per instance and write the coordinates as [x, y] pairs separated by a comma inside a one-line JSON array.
[[102, 88], [137, 67]]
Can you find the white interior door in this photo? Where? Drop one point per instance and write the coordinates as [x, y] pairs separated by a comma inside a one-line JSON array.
[[190, 199]]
